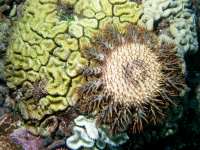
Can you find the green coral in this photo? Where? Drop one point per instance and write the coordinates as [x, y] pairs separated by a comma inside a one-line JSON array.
[[46, 46]]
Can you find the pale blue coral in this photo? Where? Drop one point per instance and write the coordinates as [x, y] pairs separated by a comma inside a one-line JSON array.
[[183, 29], [157, 9], [182, 22]]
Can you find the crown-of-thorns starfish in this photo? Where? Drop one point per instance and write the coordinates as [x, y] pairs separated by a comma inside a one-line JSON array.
[[132, 78]]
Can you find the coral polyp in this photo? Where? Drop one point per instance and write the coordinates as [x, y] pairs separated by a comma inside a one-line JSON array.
[[132, 78]]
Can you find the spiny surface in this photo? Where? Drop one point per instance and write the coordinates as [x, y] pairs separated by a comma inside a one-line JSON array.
[[131, 73], [136, 79]]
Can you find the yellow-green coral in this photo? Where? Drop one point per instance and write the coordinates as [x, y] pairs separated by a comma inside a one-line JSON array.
[[44, 46]]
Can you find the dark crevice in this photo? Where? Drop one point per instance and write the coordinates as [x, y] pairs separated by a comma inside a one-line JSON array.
[[65, 11]]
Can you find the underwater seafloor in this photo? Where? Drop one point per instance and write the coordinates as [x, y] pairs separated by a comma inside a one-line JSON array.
[[99, 74]]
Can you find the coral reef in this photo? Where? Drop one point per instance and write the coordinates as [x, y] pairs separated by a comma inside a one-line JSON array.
[[6, 144], [87, 135], [183, 120], [182, 23], [135, 78], [6, 6], [49, 57], [53, 129], [47, 46], [26, 139], [8, 123]]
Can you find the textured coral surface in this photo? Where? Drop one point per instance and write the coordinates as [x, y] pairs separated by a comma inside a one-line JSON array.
[[174, 20], [44, 58], [8, 123], [181, 28]]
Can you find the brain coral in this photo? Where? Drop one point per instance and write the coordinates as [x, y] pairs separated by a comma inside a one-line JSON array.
[[44, 59]]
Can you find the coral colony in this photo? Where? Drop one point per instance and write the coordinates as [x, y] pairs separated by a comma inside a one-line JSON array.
[[48, 55]]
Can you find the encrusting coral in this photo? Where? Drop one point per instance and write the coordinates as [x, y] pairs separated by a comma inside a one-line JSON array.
[[46, 45], [181, 18], [132, 78]]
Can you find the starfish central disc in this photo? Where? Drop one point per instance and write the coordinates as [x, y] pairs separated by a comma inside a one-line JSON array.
[[138, 73]]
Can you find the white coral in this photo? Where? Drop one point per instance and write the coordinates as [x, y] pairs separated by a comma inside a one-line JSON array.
[[79, 139], [89, 125], [86, 134]]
